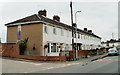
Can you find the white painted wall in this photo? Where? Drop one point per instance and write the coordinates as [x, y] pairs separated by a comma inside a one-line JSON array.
[[66, 38], [57, 38], [111, 44], [87, 41]]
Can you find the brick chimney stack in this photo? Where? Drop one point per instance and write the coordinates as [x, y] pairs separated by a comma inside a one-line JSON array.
[[85, 29], [42, 12], [56, 17], [90, 31]]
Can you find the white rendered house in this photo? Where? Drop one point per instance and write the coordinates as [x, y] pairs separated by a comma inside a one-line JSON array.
[[48, 36]]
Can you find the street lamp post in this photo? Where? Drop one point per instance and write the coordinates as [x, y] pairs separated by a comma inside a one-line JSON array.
[[76, 31]]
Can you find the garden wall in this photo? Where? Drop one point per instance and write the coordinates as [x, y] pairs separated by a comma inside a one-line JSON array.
[[12, 50]]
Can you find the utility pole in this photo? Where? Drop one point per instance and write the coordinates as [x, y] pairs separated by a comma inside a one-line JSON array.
[[113, 38], [73, 48], [72, 26], [112, 35]]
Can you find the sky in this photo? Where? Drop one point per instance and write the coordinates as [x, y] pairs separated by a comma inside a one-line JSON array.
[[100, 16]]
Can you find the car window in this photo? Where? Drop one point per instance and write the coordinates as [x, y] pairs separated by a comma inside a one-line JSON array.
[[110, 49]]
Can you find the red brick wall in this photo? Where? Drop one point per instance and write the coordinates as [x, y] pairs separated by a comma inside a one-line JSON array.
[[43, 58], [73, 53], [82, 52], [12, 50]]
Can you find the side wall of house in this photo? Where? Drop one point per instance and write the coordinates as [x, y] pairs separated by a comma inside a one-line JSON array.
[[34, 33]]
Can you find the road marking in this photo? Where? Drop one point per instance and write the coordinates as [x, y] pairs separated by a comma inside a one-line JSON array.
[[117, 59], [69, 64], [103, 60], [23, 62], [108, 60], [77, 63], [50, 67], [36, 64]]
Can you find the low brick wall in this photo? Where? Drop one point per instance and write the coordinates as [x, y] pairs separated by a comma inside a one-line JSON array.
[[82, 52], [71, 53], [42, 58], [12, 50]]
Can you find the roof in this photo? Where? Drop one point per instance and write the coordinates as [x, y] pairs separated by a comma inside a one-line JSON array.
[[111, 41], [37, 19], [26, 19], [9, 43]]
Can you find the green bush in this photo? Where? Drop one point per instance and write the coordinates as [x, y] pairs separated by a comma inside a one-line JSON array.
[[23, 46]]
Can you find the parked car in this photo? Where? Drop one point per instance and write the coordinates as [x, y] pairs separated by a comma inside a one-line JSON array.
[[118, 48], [113, 51]]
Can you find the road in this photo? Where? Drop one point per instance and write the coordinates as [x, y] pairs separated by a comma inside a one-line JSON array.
[[105, 65], [28, 66]]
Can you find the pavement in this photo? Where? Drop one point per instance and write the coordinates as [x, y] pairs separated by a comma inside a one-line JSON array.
[[96, 57]]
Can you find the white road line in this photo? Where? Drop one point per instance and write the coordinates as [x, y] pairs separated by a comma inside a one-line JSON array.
[[77, 63], [37, 64], [50, 67], [69, 64], [30, 63], [23, 62], [25, 72]]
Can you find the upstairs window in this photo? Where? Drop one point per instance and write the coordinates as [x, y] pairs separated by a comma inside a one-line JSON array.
[[62, 32], [45, 29], [81, 36], [67, 33], [74, 35], [54, 30], [78, 35]]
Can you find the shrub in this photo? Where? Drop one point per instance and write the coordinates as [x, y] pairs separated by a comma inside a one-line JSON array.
[[23, 46]]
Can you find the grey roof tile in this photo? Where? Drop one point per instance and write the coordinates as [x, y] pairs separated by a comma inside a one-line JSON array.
[[48, 20]]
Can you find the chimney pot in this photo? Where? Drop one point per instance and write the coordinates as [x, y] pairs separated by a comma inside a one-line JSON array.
[[56, 17], [42, 12], [85, 29], [90, 31]]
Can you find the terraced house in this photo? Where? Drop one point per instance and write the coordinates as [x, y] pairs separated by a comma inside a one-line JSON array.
[[47, 37]]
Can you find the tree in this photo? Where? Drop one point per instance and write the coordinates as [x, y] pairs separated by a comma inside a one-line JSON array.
[[23, 46]]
